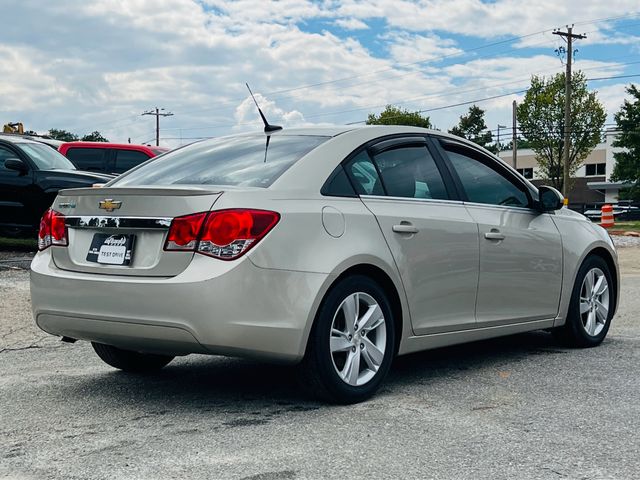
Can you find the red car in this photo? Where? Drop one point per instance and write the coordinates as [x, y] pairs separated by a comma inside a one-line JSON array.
[[108, 157]]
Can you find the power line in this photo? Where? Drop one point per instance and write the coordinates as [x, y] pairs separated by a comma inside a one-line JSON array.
[[278, 93]]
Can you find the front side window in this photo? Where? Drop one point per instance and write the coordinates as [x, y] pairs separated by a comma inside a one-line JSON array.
[[45, 157], [239, 160], [481, 183], [5, 153]]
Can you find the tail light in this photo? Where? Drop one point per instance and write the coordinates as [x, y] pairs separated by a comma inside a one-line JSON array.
[[184, 231], [223, 234], [53, 231]]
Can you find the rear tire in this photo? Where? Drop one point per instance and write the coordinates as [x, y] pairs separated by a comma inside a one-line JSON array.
[[130, 361], [348, 358], [591, 307]]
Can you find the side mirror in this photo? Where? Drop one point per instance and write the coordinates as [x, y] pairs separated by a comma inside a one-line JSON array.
[[15, 164], [549, 199]]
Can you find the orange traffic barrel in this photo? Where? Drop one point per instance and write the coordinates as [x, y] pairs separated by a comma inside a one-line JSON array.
[[606, 218]]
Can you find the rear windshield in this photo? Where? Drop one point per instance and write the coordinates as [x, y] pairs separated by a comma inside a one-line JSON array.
[[238, 161]]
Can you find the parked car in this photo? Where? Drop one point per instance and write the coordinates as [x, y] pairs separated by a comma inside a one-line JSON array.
[[334, 248], [51, 142], [620, 211], [105, 157], [31, 174]]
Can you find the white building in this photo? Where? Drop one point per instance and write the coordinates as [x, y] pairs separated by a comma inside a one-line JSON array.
[[592, 181]]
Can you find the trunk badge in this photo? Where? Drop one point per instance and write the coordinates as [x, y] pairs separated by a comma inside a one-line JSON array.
[[109, 204]]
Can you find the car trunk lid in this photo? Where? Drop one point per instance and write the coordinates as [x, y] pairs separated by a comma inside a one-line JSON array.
[[106, 223]]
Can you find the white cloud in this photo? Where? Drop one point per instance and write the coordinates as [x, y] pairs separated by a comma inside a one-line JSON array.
[[98, 65], [485, 19], [351, 24]]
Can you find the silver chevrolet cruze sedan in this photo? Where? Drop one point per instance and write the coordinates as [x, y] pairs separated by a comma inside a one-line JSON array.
[[334, 248]]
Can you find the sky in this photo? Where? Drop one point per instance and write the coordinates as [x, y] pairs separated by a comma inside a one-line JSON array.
[[85, 65]]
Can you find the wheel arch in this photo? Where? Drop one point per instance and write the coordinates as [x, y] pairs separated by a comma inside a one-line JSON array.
[[385, 280], [599, 250], [605, 255]]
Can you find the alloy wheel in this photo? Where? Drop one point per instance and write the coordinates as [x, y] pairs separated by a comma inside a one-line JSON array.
[[358, 339], [594, 301]]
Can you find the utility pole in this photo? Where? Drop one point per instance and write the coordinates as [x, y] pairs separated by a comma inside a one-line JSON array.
[[568, 36], [159, 112], [514, 137]]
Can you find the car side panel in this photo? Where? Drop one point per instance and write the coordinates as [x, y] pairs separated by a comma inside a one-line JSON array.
[[580, 238], [438, 264], [309, 238], [520, 275]]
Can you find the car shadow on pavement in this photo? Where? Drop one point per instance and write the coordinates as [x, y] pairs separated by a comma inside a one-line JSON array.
[[487, 354], [217, 383]]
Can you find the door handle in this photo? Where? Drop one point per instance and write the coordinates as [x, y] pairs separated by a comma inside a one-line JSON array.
[[404, 228], [494, 234]]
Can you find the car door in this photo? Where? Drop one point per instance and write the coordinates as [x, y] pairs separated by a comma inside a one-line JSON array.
[[432, 237], [520, 248], [14, 190]]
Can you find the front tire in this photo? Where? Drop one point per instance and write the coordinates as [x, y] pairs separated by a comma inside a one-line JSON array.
[[591, 307], [351, 344], [130, 361]]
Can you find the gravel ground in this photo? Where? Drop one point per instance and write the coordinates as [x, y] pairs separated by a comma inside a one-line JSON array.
[[625, 241], [516, 407]]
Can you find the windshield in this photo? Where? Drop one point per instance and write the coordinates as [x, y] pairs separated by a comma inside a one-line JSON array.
[[239, 161], [45, 157]]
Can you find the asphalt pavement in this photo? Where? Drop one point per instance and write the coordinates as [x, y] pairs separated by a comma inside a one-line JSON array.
[[515, 407]]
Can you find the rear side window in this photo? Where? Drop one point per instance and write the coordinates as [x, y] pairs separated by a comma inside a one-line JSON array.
[[91, 159], [410, 172], [481, 183], [364, 175], [240, 160], [127, 159]]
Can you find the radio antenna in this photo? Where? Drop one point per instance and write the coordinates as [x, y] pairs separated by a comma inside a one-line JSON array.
[[267, 126]]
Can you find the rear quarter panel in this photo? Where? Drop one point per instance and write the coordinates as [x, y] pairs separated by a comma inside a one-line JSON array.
[[300, 241]]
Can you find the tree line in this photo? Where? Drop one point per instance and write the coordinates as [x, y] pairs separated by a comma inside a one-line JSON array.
[[66, 136]]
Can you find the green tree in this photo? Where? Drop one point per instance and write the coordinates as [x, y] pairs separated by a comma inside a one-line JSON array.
[[94, 137], [627, 168], [541, 119], [395, 116], [62, 135], [473, 127], [520, 143]]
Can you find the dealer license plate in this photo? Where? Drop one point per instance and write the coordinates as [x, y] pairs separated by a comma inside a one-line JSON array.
[[111, 249]]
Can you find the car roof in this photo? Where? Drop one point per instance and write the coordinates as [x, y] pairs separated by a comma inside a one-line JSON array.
[[379, 130], [130, 146], [17, 139]]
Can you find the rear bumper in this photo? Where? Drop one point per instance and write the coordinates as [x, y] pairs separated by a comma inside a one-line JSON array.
[[213, 307]]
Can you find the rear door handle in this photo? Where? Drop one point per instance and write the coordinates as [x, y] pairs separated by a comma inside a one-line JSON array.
[[404, 228], [494, 235]]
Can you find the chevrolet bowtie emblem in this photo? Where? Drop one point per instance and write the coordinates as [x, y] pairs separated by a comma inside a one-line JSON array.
[[109, 204]]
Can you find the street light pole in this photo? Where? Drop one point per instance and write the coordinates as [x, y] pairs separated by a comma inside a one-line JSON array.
[[498, 141]]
